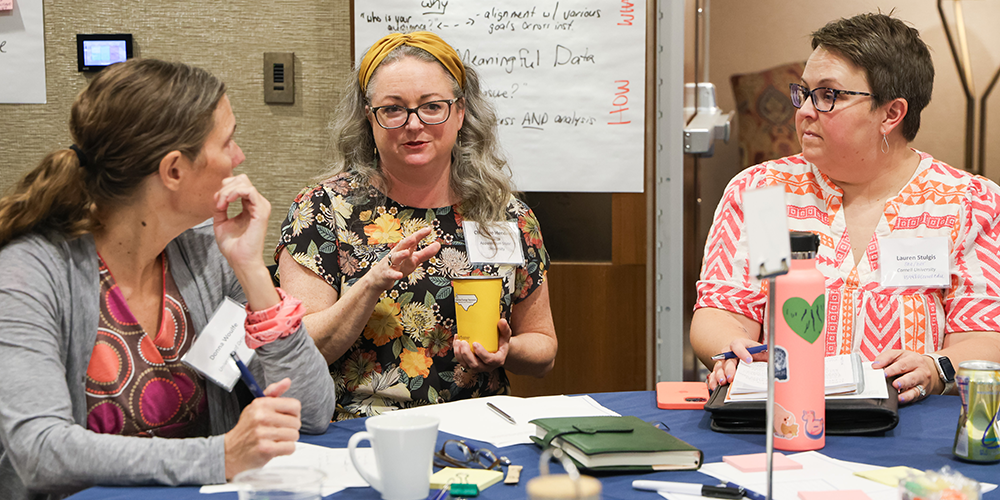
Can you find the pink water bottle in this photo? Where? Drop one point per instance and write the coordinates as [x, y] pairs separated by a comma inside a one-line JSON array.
[[799, 395]]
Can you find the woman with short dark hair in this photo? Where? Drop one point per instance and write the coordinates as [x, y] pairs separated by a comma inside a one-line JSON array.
[[865, 192]]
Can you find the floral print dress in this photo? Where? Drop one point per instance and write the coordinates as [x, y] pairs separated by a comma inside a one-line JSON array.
[[403, 358]]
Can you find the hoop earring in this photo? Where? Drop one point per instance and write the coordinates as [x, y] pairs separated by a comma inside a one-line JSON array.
[[885, 144]]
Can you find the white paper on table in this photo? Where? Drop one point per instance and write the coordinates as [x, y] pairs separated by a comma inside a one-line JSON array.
[[818, 473], [472, 419], [874, 383], [334, 462]]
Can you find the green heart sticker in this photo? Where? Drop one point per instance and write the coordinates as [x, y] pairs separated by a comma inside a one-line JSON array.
[[804, 319]]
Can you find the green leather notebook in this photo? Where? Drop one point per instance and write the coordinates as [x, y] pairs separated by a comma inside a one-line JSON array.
[[616, 443]]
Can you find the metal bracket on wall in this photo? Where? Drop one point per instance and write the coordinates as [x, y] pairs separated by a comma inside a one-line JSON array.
[[706, 123]]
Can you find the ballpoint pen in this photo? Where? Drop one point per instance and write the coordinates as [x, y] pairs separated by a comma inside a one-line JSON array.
[[247, 376], [752, 495], [751, 350], [500, 412], [689, 488]]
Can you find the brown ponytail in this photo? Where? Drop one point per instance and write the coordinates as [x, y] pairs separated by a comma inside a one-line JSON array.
[[50, 196], [130, 116]]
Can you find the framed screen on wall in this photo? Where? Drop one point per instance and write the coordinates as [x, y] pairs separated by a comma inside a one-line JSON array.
[[96, 52]]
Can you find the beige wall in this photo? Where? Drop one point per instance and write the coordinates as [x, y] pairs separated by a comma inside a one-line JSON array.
[[749, 36], [284, 144]]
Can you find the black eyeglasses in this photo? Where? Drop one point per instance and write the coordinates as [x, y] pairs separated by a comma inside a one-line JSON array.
[[823, 97], [458, 453], [430, 113]]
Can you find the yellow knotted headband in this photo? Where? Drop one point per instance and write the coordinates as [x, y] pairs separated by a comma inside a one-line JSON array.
[[420, 39]]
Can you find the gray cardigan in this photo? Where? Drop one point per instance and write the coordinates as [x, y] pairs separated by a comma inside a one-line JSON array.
[[49, 292]]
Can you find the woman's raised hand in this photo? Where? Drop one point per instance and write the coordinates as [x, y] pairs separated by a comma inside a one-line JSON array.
[[403, 259], [241, 238], [268, 427]]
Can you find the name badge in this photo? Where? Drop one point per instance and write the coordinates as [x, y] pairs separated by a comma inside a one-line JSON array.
[[504, 249], [224, 333], [909, 262]]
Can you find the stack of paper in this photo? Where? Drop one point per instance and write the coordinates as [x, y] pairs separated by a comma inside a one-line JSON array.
[[845, 375], [472, 419]]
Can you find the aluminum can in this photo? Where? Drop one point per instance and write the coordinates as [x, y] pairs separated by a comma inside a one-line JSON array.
[[976, 438]]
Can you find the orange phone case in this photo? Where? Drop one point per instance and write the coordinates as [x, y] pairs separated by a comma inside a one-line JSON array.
[[681, 395]]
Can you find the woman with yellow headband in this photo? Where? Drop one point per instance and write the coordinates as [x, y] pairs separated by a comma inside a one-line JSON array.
[[371, 249]]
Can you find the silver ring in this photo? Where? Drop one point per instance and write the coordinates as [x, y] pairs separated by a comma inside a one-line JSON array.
[[923, 392]]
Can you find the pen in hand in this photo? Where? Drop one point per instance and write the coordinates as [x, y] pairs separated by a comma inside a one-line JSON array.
[[247, 376], [502, 413], [751, 350]]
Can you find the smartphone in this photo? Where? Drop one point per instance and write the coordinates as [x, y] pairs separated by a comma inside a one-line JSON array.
[[681, 395]]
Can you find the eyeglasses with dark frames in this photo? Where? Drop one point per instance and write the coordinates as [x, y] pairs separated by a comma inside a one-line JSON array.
[[458, 453], [823, 98], [394, 116]]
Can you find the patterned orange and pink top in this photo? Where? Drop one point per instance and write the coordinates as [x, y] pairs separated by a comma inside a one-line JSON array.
[[136, 383], [862, 315]]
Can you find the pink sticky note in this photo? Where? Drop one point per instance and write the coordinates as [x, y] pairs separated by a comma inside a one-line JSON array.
[[6, 4], [834, 495], [757, 462]]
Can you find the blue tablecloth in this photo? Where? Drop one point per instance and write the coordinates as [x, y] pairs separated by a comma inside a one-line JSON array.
[[922, 440]]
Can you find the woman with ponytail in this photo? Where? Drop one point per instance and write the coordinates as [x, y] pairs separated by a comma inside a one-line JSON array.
[[116, 251]]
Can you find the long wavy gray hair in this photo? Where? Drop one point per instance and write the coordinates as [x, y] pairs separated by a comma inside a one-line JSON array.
[[480, 175]]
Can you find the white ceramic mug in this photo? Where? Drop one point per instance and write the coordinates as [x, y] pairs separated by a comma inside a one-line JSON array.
[[404, 454]]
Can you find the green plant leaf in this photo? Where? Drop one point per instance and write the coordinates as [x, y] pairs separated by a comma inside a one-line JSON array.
[[408, 343]]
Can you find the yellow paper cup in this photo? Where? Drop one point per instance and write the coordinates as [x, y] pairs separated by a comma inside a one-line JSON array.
[[477, 309]]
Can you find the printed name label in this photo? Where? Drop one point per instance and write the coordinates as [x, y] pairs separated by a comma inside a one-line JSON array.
[[909, 262]]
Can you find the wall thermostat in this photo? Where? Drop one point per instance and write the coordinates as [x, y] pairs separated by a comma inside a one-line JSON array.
[[96, 52]]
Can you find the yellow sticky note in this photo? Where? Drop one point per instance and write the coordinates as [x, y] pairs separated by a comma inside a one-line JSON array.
[[888, 476], [482, 477]]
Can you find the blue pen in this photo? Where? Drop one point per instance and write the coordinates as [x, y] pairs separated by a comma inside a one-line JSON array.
[[730, 355], [247, 376], [752, 495]]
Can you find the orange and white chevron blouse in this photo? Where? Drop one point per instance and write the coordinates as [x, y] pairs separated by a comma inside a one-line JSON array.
[[861, 315]]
